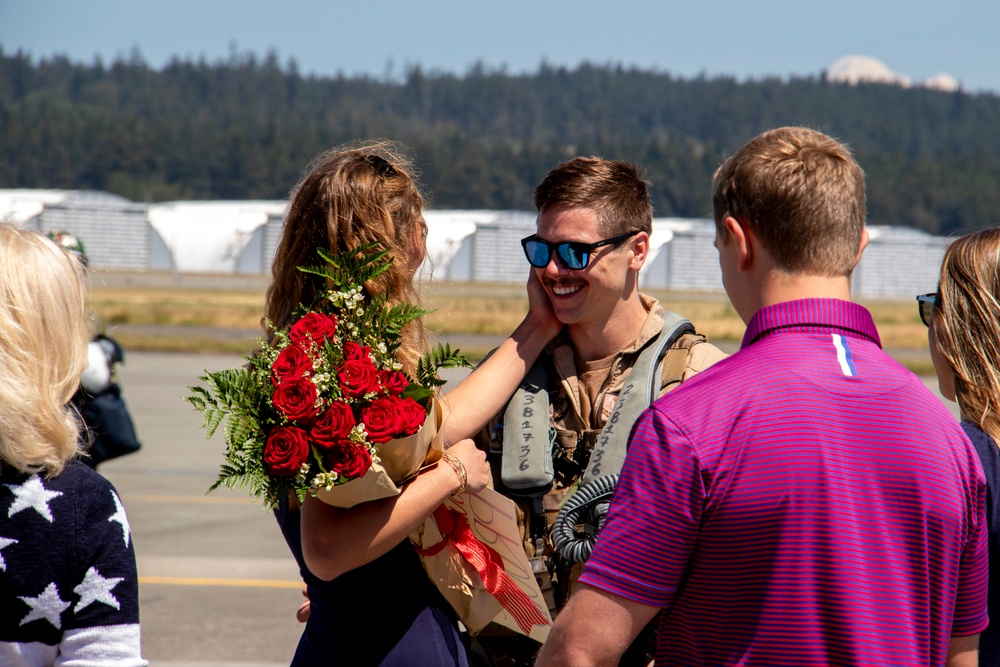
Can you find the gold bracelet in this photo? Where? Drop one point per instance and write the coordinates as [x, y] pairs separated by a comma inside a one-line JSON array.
[[459, 468]]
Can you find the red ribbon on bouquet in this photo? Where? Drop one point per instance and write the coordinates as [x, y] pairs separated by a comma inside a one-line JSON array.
[[454, 526]]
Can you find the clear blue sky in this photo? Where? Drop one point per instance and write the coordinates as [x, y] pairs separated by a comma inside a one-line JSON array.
[[916, 38]]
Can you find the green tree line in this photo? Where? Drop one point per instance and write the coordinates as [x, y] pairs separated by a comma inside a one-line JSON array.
[[246, 128]]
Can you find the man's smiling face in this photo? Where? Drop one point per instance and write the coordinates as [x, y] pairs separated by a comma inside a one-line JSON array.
[[591, 294]]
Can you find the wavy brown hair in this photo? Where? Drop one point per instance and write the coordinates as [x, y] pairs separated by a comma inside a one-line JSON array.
[[352, 195], [967, 325]]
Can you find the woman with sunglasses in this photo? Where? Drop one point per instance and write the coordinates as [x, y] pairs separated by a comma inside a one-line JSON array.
[[964, 334], [370, 601]]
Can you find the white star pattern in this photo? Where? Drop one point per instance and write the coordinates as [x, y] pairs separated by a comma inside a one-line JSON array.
[[32, 495], [48, 606], [120, 517], [4, 543], [95, 588]]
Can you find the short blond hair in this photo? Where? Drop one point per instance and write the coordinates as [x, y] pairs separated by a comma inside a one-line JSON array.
[[802, 194], [43, 351]]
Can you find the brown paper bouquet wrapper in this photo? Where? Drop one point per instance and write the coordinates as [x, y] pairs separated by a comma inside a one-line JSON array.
[[492, 520], [458, 582], [401, 459]]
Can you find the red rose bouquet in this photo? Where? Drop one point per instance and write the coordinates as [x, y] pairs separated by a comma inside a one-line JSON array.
[[325, 408]]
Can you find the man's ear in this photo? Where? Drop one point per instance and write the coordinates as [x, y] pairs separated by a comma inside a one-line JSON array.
[[861, 248], [744, 241], [640, 250]]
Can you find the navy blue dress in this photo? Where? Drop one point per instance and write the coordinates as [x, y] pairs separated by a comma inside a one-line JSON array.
[[989, 454], [385, 613]]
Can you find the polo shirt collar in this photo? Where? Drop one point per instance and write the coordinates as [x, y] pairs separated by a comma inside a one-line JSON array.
[[812, 316]]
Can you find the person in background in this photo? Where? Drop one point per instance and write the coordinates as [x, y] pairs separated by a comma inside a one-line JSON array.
[[806, 501], [370, 601], [108, 428], [963, 320], [69, 592]]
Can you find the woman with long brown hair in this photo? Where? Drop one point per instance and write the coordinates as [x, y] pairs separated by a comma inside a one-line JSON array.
[[371, 602], [964, 334]]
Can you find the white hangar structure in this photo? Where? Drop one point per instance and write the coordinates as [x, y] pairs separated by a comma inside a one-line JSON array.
[[478, 246]]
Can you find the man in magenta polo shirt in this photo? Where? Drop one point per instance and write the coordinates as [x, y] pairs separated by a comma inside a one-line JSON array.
[[805, 501]]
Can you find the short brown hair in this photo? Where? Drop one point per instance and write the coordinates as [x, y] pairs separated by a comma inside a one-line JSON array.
[[612, 188], [803, 196]]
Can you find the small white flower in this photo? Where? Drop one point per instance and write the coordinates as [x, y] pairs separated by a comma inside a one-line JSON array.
[[358, 434], [322, 382], [325, 480], [303, 473]]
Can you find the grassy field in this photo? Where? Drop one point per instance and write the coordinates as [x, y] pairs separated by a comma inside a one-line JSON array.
[[184, 318]]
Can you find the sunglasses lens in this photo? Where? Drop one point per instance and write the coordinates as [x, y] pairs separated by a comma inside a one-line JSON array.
[[926, 305], [573, 256], [537, 254]]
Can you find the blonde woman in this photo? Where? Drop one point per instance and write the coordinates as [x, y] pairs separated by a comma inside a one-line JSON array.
[[68, 585], [964, 334], [371, 602]]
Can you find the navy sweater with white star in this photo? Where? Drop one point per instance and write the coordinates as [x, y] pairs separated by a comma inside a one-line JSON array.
[[68, 584]]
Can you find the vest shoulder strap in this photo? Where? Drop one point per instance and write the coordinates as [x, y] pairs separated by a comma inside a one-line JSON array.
[[641, 389]]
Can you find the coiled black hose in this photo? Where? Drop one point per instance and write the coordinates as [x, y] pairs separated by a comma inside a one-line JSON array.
[[589, 507]]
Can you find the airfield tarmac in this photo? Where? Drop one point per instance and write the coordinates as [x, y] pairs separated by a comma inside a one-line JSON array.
[[217, 584]]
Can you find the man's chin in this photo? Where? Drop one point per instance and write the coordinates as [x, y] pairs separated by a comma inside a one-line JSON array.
[[567, 316]]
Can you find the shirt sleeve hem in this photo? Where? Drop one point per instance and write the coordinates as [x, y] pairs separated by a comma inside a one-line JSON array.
[[628, 589]]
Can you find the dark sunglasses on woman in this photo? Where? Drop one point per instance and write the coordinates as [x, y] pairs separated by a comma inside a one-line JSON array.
[[574, 255], [926, 304]]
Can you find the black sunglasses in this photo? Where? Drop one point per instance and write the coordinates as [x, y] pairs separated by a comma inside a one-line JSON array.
[[926, 304], [574, 255]]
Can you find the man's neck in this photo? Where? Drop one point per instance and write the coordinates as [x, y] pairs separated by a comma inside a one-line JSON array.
[[597, 340], [782, 287]]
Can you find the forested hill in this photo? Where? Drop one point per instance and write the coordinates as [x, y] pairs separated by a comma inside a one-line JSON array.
[[245, 129]]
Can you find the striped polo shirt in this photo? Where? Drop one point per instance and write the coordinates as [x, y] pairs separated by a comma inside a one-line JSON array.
[[806, 501]]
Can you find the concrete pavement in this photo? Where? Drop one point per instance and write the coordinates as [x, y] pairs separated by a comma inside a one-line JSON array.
[[217, 584]]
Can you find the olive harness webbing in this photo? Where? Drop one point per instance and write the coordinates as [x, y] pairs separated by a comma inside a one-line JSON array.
[[528, 437]]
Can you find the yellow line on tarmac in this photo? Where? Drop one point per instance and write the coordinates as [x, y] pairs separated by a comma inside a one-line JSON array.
[[204, 581], [216, 500]]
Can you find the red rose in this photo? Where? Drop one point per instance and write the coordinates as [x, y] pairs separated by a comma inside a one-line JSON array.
[[348, 459], [358, 377], [286, 450], [332, 425], [412, 415], [394, 382], [383, 419], [313, 328], [356, 352], [292, 363], [296, 399]]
